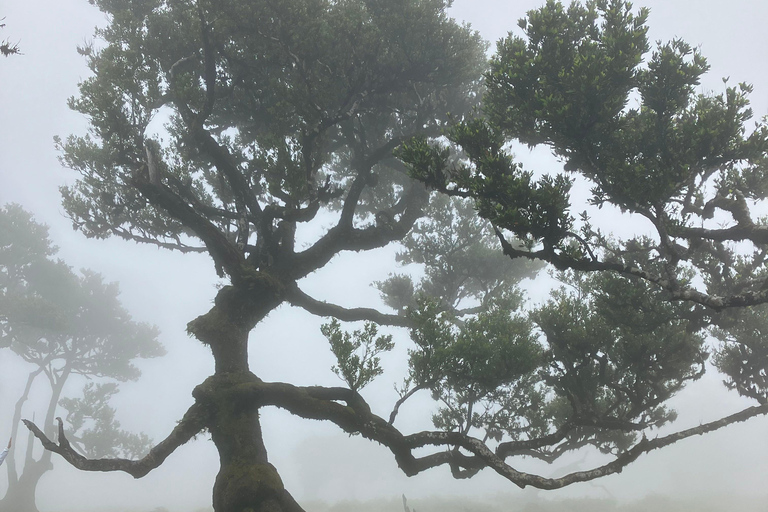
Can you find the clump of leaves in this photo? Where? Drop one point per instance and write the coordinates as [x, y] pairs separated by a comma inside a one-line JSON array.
[[357, 353], [479, 368]]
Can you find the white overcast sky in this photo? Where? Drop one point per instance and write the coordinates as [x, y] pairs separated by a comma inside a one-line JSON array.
[[170, 289]]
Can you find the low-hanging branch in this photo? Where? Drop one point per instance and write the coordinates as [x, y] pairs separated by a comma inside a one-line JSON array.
[[321, 403], [191, 424], [355, 416]]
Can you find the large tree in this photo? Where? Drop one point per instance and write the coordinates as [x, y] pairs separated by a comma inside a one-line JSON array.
[[282, 117], [64, 326]]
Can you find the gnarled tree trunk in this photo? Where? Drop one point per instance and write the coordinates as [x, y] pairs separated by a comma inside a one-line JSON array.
[[246, 482]]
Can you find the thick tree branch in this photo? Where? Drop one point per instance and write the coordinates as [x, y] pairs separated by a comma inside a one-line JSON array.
[[223, 252], [322, 404], [756, 234], [346, 238], [189, 426], [298, 298]]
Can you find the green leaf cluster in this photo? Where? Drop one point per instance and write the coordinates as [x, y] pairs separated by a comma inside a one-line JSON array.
[[357, 353], [483, 370], [617, 350]]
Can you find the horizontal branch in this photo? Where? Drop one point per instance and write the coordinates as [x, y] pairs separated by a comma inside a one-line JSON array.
[[298, 298], [738, 233], [177, 246], [675, 290], [322, 404], [347, 409], [189, 426]]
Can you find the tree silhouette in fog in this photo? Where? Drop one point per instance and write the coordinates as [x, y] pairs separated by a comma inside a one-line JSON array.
[[382, 120], [64, 325]]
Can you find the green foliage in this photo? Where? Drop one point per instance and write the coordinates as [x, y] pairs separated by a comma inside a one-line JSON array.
[[743, 351], [300, 91], [482, 370], [582, 81], [570, 84], [617, 351], [357, 353]]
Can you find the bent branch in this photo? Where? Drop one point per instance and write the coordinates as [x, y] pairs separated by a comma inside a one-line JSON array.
[[298, 298], [189, 426], [322, 404]]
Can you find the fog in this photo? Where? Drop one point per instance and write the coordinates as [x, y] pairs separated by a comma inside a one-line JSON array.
[[318, 463]]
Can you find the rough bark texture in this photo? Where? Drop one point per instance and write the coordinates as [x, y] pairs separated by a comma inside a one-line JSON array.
[[246, 482]]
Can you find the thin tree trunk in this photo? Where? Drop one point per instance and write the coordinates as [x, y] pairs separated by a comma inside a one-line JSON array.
[[21, 494], [13, 475]]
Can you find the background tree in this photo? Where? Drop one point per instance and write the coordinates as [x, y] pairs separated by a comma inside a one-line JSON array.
[[282, 119], [64, 325]]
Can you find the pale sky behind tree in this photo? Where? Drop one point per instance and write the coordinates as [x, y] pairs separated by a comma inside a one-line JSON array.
[[168, 289]]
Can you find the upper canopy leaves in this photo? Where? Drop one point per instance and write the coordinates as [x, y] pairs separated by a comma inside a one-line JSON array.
[[273, 109]]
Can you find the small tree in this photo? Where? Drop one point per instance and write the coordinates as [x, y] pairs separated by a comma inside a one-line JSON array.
[[64, 325], [284, 115]]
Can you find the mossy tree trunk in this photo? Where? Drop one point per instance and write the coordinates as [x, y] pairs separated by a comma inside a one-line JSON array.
[[246, 482]]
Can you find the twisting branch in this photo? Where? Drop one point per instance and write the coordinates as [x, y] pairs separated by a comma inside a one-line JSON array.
[[190, 425], [356, 417], [345, 238], [676, 292], [298, 298]]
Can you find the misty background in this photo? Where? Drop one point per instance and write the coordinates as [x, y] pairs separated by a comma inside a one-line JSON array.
[[317, 462]]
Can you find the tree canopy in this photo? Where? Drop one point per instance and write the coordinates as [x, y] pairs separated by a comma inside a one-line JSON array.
[[245, 129]]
